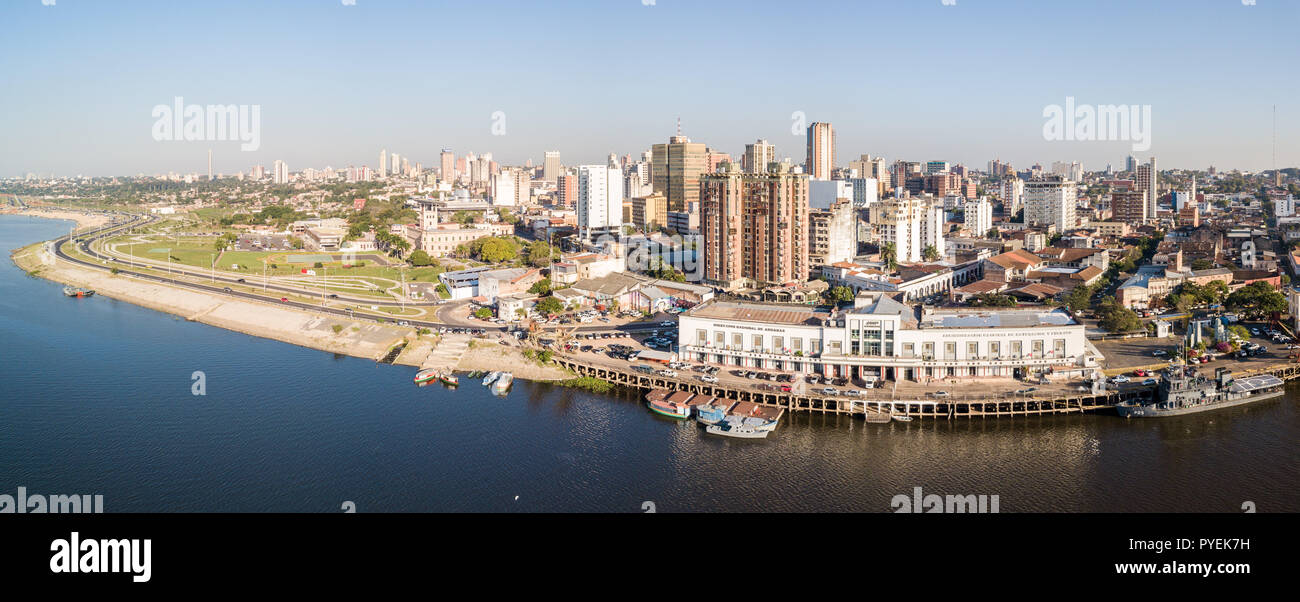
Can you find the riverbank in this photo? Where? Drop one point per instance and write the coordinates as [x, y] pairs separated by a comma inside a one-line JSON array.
[[489, 356], [83, 220], [322, 332]]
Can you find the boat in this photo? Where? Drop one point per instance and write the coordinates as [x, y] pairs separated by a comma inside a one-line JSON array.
[[502, 383], [902, 418], [448, 378], [492, 376], [739, 431], [73, 291], [426, 376], [874, 417], [1184, 390], [669, 409], [707, 414], [750, 422]]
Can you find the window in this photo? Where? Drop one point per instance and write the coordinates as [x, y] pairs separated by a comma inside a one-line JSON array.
[[950, 351], [758, 342], [778, 344], [927, 351], [1058, 347], [1016, 349], [702, 336], [972, 350], [1038, 348], [738, 340], [720, 339], [909, 349], [995, 350]]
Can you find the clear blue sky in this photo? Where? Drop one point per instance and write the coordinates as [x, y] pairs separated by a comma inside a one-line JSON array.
[[905, 79]]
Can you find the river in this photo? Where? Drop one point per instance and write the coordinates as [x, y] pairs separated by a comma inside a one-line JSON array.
[[97, 399]]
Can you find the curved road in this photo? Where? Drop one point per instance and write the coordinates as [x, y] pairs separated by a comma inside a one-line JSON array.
[[86, 239]]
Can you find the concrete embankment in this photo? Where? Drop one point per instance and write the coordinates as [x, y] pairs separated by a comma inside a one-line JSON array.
[[355, 338]]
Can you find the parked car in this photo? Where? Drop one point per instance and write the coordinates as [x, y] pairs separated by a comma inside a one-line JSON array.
[[1120, 379], [709, 379], [1149, 381], [938, 394]]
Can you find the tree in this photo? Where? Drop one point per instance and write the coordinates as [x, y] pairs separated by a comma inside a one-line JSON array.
[[295, 242], [1257, 298], [993, 233], [992, 300], [1078, 298], [549, 305], [838, 294], [539, 254], [541, 287], [420, 258], [1202, 264], [483, 313], [1118, 319], [889, 255], [930, 253], [463, 218]]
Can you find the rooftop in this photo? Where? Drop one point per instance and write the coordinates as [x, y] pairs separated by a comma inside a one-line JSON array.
[[996, 318], [761, 312]]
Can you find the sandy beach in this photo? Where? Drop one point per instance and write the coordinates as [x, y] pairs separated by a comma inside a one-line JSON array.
[[84, 220]]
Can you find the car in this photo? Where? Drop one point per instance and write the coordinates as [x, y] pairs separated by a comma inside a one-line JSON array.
[[751, 374], [829, 391], [333, 296], [1160, 353], [227, 289], [939, 394], [786, 389], [853, 393], [709, 379], [284, 299], [1149, 381], [240, 280], [1025, 391]]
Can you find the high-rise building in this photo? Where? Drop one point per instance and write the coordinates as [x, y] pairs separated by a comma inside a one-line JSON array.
[[448, 165], [396, 164], [898, 221], [566, 190], [1013, 192], [209, 165], [1050, 201], [551, 166], [933, 167], [675, 170], [1148, 179], [757, 156], [600, 201], [1129, 206], [755, 227], [832, 233], [281, 173], [821, 151], [383, 162], [650, 212], [977, 216], [1072, 171], [1130, 163]]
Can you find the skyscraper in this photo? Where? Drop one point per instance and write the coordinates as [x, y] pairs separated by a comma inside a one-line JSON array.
[[675, 170], [1148, 177], [755, 227], [448, 165], [1050, 201], [281, 174], [757, 156], [209, 165], [383, 162], [600, 201], [551, 166], [821, 151]]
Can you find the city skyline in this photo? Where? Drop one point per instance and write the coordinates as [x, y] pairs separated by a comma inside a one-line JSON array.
[[325, 99]]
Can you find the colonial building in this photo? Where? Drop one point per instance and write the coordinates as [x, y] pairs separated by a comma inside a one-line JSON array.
[[883, 338]]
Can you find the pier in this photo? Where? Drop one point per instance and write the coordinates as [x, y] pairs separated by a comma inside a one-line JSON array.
[[956, 407]]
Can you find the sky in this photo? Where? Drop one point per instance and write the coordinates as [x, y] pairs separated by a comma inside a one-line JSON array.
[[904, 79]]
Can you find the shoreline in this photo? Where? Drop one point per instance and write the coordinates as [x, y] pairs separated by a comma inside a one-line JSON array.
[[83, 220], [322, 332]]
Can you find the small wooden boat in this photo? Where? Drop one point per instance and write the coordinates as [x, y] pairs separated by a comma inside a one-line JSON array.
[[426, 376], [902, 418], [448, 378]]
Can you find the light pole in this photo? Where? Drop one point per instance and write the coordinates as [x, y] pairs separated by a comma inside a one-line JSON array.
[[213, 265]]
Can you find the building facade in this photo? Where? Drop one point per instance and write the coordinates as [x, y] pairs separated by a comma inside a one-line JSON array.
[[755, 228]]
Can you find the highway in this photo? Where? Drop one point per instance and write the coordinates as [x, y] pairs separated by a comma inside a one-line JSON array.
[[87, 239]]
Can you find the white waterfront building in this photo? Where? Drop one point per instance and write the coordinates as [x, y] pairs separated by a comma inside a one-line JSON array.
[[882, 338], [600, 201]]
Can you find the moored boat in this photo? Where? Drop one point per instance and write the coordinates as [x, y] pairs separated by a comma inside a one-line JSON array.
[[1184, 390], [709, 414], [502, 382], [739, 431], [448, 378], [73, 291], [669, 409], [490, 378], [425, 376], [902, 418]]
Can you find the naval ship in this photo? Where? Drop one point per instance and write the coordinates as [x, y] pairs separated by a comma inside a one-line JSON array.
[[1184, 390]]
